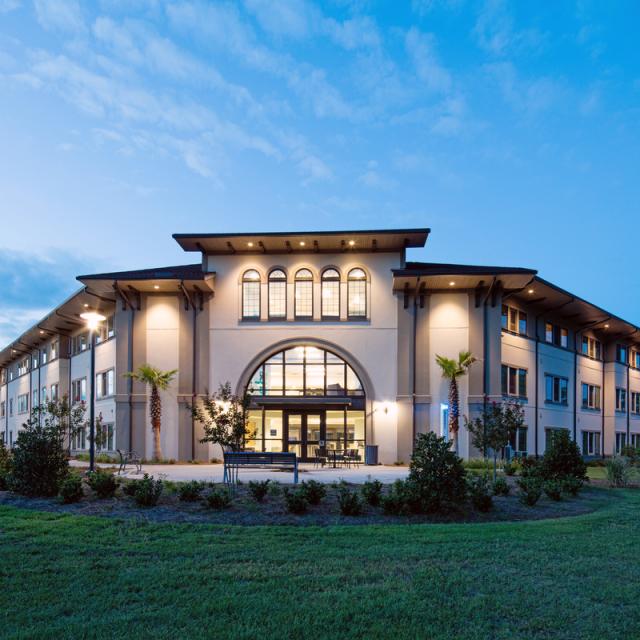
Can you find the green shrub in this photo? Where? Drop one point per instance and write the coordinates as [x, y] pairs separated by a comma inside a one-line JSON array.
[[190, 491], [372, 492], [478, 464], [275, 489], [501, 487], [618, 471], [259, 489], [71, 489], [530, 490], [5, 465], [436, 475], [510, 468], [480, 493], [39, 460], [296, 501], [349, 501], [632, 453], [571, 485], [129, 487], [218, 499], [553, 489], [530, 467], [563, 458], [397, 501], [147, 491], [102, 483], [313, 491]]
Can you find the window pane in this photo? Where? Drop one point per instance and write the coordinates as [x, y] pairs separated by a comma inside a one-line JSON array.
[[273, 379], [331, 298], [357, 293], [513, 389], [256, 385], [304, 297], [251, 299], [254, 428], [294, 380], [335, 421], [277, 294], [353, 384], [315, 379], [314, 355], [294, 356], [548, 333], [273, 430], [335, 380], [522, 323]]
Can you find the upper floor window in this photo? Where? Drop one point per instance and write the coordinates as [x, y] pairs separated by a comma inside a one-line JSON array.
[[514, 320], [621, 399], [54, 350], [591, 347], [357, 293], [635, 359], [23, 366], [54, 392], [304, 294], [514, 381], [553, 334], [43, 356], [2, 409], [277, 294], [251, 295], [79, 390], [330, 294], [34, 361], [104, 384], [556, 389], [10, 407], [622, 353], [590, 396], [105, 330], [635, 402], [23, 403]]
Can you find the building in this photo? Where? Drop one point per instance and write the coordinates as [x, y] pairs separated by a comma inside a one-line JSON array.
[[335, 335]]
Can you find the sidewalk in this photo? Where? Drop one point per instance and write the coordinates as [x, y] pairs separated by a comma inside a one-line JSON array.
[[307, 471]]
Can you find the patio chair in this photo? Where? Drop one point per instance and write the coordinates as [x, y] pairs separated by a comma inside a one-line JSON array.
[[353, 455], [320, 456]]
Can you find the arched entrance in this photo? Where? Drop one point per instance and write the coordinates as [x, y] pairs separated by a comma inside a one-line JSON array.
[[303, 398]]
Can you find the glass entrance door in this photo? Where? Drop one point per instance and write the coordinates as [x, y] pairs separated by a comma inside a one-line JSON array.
[[305, 432]]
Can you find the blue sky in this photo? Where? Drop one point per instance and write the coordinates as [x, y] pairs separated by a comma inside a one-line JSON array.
[[511, 129]]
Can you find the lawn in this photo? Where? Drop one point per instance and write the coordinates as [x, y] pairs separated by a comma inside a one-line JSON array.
[[67, 576]]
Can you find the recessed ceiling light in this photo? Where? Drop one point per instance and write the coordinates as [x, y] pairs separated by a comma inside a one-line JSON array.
[[530, 291], [249, 244], [302, 243], [351, 243], [452, 284], [86, 306], [41, 331], [606, 326], [156, 286]]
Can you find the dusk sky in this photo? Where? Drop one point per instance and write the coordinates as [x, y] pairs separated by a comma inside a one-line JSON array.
[[512, 130]]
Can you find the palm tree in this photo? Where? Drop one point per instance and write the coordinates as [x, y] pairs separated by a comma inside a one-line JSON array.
[[452, 370], [158, 380]]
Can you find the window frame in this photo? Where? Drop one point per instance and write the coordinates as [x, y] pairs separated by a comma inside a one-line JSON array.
[[325, 280], [280, 280], [560, 379], [593, 391], [520, 315], [296, 283], [621, 400], [244, 302], [518, 378], [593, 441], [365, 281]]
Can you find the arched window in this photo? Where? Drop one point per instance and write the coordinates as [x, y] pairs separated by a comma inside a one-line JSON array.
[[304, 294], [357, 293], [330, 294], [277, 294], [305, 371], [251, 295]]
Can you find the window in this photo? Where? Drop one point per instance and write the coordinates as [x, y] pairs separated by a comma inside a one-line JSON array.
[[23, 366], [621, 442], [305, 371], [590, 443], [357, 293], [54, 393], [634, 440], [304, 294], [43, 395], [277, 294], [591, 347], [590, 396], [79, 390], [34, 402], [34, 361], [622, 353], [621, 399], [330, 294], [556, 335], [79, 439], [2, 409], [23, 403], [43, 356], [635, 402], [514, 320], [514, 381], [104, 384], [556, 389], [54, 350], [635, 359], [10, 407], [104, 437], [79, 343], [251, 295], [105, 331], [518, 441]]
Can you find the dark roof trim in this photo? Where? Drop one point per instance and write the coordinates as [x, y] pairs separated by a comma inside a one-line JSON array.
[[179, 272], [281, 234], [442, 269]]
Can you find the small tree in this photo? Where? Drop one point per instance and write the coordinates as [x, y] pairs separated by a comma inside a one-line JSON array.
[[563, 458], [494, 429], [157, 380], [39, 461], [452, 370], [224, 418]]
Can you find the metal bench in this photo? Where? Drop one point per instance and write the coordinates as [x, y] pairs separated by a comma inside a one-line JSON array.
[[233, 460], [129, 457]]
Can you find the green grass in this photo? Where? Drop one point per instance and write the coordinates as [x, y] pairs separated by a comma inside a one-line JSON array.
[[65, 576]]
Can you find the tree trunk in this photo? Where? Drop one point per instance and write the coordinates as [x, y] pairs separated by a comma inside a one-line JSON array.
[[454, 410], [156, 418]]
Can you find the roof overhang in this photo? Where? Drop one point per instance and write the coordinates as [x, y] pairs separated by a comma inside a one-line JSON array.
[[385, 240]]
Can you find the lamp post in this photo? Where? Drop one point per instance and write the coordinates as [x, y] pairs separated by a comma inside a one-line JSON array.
[[93, 320]]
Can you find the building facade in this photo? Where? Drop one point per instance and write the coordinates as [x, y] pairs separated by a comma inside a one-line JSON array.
[[335, 336]]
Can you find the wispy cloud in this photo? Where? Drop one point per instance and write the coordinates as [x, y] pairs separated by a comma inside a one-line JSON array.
[[62, 15], [421, 48]]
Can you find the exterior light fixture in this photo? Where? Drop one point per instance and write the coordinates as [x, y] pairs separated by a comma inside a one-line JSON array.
[[93, 319], [452, 284], [351, 243], [249, 244], [156, 286]]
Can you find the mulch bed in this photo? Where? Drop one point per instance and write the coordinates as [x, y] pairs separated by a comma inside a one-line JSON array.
[[245, 511]]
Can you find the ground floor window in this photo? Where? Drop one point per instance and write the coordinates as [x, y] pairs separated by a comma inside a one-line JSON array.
[[590, 443], [518, 441], [621, 442], [303, 431], [79, 439], [550, 432], [635, 440], [105, 437]]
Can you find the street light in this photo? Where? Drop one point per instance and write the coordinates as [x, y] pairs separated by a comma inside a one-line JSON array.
[[93, 320]]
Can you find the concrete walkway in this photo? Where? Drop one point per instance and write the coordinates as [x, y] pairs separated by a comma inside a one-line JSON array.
[[307, 471]]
